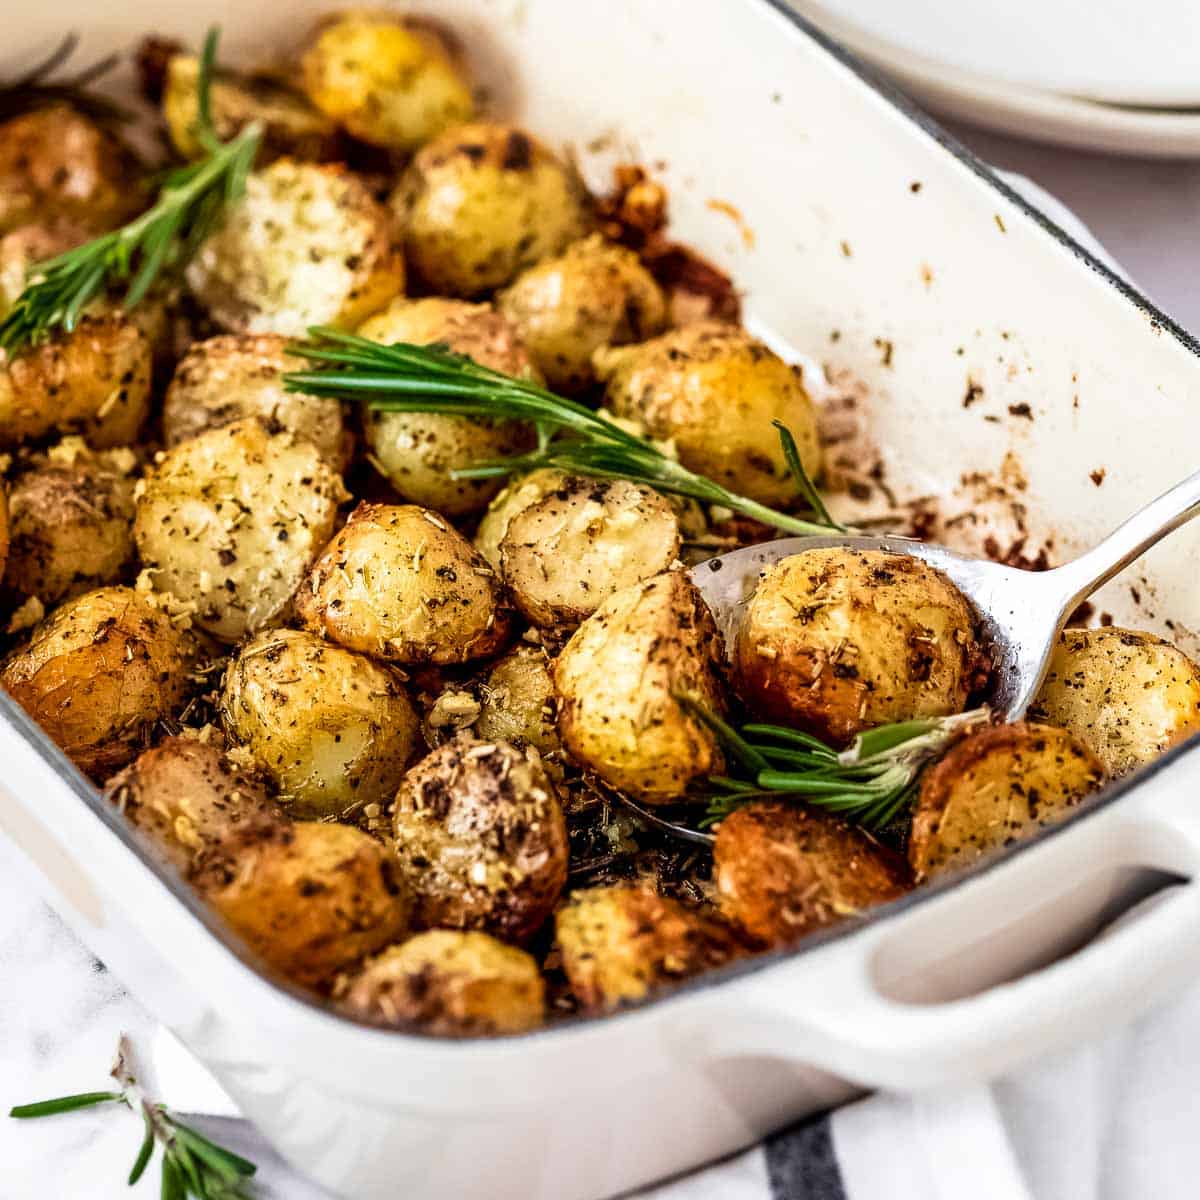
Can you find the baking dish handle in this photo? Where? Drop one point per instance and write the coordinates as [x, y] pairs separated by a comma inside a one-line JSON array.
[[830, 1010]]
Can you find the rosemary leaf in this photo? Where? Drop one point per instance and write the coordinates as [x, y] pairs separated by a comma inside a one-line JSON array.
[[143, 1156], [48, 1108]]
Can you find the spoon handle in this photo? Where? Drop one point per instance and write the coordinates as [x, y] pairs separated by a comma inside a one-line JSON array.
[[1081, 577]]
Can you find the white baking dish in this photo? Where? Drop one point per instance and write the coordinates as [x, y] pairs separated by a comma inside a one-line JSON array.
[[859, 218]]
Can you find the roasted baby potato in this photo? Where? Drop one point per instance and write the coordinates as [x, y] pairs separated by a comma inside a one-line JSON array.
[[57, 163], [448, 983], [71, 526], [26, 245], [783, 870], [290, 124], [229, 522], [417, 451], [594, 294], [565, 555], [400, 584], [185, 798], [481, 839], [838, 640], [619, 943], [390, 80], [94, 381], [618, 681], [517, 702], [306, 245], [310, 901], [1127, 696], [99, 673], [995, 787], [714, 391], [332, 729], [516, 497], [481, 202], [228, 378]]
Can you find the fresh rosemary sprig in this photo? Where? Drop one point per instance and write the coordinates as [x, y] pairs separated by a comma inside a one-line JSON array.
[[572, 438], [871, 782], [191, 1164], [35, 89], [190, 201]]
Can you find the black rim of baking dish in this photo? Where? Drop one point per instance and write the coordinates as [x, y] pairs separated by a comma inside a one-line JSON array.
[[1111, 793]]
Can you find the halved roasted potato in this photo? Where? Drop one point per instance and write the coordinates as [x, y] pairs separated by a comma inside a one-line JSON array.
[[517, 701], [517, 496]]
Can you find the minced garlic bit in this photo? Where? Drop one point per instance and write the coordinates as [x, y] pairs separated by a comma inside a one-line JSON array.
[[27, 616], [455, 710]]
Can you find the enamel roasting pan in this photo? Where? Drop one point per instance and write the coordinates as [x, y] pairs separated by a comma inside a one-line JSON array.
[[868, 240]]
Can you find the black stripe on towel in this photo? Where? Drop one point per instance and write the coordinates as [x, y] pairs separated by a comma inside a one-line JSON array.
[[801, 1164]]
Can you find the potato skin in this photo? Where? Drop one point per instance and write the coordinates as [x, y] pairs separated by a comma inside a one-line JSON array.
[[449, 984], [565, 555], [98, 673], [225, 379], [481, 839], [231, 521], [400, 584], [185, 798], [715, 391], [94, 381], [333, 730], [594, 294], [417, 451], [836, 641], [390, 80], [310, 902], [993, 788], [71, 528], [783, 870], [517, 496], [620, 943], [306, 245], [481, 202], [1127, 696], [616, 679], [517, 702]]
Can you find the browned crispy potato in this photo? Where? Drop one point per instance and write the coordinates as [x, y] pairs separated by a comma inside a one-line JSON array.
[[99, 673], [837, 640], [565, 555], [481, 839], [229, 522], [399, 583], [481, 202], [71, 525], [783, 870], [994, 788], [311, 901], [516, 497], [620, 943], [1127, 696], [448, 983], [391, 79], [417, 451], [56, 162], [714, 391], [332, 729], [226, 379], [94, 381], [517, 702], [594, 294], [185, 797], [617, 680]]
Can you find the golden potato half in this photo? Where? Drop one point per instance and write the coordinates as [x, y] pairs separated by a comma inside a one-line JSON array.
[[333, 730], [836, 641], [448, 983], [994, 788], [784, 870], [1127, 696], [714, 391], [481, 839], [617, 681], [517, 496], [399, 583], [517, 701], [483, 201], [99, 673], [620, 943]]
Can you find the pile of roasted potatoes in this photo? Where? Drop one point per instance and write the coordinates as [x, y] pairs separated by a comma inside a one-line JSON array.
[[381, 719]]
